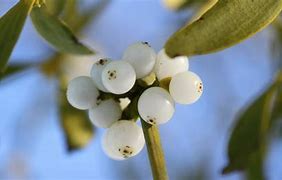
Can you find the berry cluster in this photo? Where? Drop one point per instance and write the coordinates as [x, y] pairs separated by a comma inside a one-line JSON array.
[[111, 81]]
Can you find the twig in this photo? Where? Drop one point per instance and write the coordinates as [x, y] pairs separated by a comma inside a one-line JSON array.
[[155, 151]]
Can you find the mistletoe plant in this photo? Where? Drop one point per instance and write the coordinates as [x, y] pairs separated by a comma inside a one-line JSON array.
[[150, 82]]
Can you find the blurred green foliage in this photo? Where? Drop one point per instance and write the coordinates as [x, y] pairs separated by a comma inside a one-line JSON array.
[[11, 25], [75, 124], [56, 32], [249, 139]]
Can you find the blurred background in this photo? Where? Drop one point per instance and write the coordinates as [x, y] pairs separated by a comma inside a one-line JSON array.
[[32, 140]]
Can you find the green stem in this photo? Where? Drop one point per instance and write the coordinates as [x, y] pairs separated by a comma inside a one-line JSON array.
[[155, 151]]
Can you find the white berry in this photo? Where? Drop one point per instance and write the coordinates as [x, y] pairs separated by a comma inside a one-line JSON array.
[[73, 66], [105, 113], [118, 77], [96, 73], [123, 139], [142, 57], [82, 93], [107, 148], [168, 67], [186, 87], [156, 106]]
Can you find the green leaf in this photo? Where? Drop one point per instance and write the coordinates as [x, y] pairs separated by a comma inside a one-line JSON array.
[[11, 25], [277, 109], [278, 106], [78, 20], [228, 22], [277, 43], [203, 9], [181, 4], [77, 128], [254, 170], [248, 142], [55, 7], [56, 32], [14, 69], [71, 11]]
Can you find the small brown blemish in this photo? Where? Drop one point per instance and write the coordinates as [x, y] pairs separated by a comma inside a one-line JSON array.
[[146, 43], [112, 74], [151, 120], [101, 62], [127, 151], [200, 87]]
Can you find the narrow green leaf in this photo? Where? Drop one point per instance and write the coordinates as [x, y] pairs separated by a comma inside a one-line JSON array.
[[181, 4], [278, 106], [55, 7], [71, 11], [254, 170], [247, 145], [14, 69], [81, 19], [203, 9], [228, 22], [56, 32], [277, 109], [277, 43], [11, 25], [76, 126]]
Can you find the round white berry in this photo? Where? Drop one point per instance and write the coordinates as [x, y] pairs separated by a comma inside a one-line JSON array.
[[82, 93], [118, 77], [123, 139], [96, 73], [107, 148], [73, 66], [105, 113], [168, 67], [186, 87], [156, 106], [142, 57]]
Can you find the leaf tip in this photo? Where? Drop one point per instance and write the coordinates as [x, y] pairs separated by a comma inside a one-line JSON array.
[[170, 52], [226, 170]]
